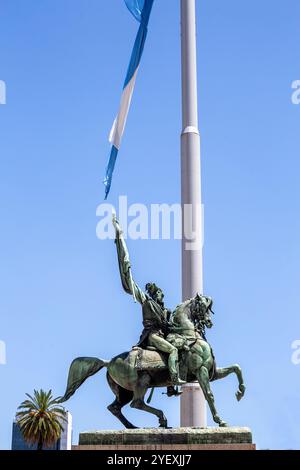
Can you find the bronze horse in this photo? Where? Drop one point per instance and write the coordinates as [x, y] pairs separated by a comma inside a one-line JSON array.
[[130, 380]]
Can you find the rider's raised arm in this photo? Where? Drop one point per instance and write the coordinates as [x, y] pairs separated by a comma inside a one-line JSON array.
[[129, 285]]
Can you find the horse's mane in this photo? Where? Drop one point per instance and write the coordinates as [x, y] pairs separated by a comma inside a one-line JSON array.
[[181, 307]]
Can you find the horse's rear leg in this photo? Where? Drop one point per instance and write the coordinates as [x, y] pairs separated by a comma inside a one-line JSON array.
[[123, 397], [115, 408], [138, 400], [222, 372]]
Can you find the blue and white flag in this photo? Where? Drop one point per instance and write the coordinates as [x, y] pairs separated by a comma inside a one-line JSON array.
[[141, 10]]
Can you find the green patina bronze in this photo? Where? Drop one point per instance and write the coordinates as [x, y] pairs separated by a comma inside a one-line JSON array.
[[172, 350]]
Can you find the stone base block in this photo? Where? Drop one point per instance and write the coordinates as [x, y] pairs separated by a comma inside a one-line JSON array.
[[231, 438]]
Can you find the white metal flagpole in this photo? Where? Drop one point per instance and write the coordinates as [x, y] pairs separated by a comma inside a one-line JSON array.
[[192, 401]]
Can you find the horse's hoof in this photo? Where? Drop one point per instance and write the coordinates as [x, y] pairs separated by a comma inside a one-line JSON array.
[[223, 424], [163, 423], [240, 393]]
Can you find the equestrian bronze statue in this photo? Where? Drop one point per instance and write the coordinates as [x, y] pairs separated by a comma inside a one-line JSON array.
[[172, 350]]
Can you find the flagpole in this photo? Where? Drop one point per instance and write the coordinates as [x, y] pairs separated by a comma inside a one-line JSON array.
[[192, 401]]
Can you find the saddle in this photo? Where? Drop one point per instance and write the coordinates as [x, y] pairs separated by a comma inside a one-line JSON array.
[[150, 359]]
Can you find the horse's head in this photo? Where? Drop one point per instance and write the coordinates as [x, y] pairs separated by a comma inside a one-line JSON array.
[[201, 309]]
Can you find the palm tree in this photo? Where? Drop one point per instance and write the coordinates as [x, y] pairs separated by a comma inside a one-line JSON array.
[[40, 419]]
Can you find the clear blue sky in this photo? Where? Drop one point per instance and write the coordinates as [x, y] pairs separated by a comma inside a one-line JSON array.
[[64, 62]]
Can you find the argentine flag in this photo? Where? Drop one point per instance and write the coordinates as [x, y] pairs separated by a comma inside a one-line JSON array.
[[141, 10]]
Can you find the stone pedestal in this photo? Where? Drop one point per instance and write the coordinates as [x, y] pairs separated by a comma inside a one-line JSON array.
[[231, 438]]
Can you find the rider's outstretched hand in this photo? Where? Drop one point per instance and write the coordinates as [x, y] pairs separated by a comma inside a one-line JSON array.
[[116, 223]]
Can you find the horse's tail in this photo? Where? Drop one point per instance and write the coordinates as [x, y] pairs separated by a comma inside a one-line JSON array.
[[80, 369]]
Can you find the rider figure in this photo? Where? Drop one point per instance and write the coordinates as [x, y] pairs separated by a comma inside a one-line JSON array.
[[155, 315]]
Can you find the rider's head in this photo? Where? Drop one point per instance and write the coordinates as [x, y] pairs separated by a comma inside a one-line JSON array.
[[155, 292]]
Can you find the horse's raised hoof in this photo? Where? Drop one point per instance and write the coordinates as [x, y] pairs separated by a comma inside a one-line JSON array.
[[223, 424], [240, 393]]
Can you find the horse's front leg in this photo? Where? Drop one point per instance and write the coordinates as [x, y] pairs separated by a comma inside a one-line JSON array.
[[203, 378], [222, 372]]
